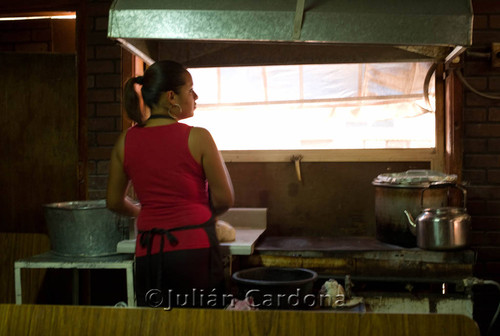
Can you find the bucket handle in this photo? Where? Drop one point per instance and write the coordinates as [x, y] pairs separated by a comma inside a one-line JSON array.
[[435, 185]]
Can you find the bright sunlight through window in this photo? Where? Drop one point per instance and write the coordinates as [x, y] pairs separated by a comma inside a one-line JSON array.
[[300, 107]]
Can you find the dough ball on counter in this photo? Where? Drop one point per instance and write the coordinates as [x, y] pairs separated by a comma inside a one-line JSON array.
[[225, 232]]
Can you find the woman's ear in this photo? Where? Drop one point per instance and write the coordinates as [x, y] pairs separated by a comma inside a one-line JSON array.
[[171, 96]]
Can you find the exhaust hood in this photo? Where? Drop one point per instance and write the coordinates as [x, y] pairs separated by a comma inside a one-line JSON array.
[[262, 32]]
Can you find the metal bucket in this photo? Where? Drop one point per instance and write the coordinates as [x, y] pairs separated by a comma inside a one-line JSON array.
[[85, 228]]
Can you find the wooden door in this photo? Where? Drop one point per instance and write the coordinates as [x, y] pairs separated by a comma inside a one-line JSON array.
[[38, 137]]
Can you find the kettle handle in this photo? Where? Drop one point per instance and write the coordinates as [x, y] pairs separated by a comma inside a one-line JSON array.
[[433, 185]]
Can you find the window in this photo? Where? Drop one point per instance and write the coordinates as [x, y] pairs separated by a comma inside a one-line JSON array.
[[262, 111]]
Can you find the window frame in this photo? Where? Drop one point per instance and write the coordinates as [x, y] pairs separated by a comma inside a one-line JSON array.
[[435, 156]]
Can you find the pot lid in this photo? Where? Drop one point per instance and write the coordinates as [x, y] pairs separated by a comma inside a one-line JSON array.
[[414, 177]]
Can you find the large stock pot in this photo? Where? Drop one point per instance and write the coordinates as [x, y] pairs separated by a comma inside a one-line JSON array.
[[397, 192]]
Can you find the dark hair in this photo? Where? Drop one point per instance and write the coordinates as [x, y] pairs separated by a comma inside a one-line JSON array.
[[160, 77]]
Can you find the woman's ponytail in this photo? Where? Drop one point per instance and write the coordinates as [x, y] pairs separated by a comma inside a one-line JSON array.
[[159, 78], [131, 99]]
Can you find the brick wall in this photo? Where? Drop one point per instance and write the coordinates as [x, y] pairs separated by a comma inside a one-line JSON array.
[[482, 141], [104, 80], [104, 96], [25, 36]]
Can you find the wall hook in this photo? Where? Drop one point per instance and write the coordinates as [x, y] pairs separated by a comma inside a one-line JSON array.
[[296, 160]]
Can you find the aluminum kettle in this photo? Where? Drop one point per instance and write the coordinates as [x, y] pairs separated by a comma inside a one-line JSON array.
[[445, 228]]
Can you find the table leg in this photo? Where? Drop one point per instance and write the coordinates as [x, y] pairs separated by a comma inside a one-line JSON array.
[[130, 285], [17, 280], [76, 286]]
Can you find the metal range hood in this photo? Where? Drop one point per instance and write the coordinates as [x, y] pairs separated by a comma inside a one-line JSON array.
[[262, 32]]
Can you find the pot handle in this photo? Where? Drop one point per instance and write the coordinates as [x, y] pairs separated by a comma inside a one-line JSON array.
[[434, 185]]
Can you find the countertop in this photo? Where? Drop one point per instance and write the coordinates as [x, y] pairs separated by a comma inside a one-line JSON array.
[[242, 245], [249, 223]]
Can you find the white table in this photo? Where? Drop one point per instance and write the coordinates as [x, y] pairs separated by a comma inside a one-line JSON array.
[[53, 260], [250, 224]]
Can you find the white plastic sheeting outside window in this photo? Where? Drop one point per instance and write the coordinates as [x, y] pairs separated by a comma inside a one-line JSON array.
[[335, 106]]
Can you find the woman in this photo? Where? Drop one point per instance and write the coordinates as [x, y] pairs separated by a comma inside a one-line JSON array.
[[182, 184]]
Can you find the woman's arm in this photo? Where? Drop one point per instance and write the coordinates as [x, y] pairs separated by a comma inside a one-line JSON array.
[[205, 151], [118, 183]]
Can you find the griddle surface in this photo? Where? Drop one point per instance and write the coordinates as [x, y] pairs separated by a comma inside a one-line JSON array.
[[354, 243]]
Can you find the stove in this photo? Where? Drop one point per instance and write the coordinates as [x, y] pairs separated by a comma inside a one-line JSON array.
[[390, 278], [361, 256]]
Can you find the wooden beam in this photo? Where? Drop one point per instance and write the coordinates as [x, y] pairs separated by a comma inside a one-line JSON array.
[[454, 124]]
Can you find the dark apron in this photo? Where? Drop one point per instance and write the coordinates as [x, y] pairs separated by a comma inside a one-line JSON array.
[[216, 275]]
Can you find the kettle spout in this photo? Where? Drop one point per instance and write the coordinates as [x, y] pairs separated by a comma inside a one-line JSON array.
[[411, 223]]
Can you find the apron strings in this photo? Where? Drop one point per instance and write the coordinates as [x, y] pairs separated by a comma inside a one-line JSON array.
[[146, 240]]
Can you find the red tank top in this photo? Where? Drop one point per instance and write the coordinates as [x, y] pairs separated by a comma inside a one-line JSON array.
[[169, 183]]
